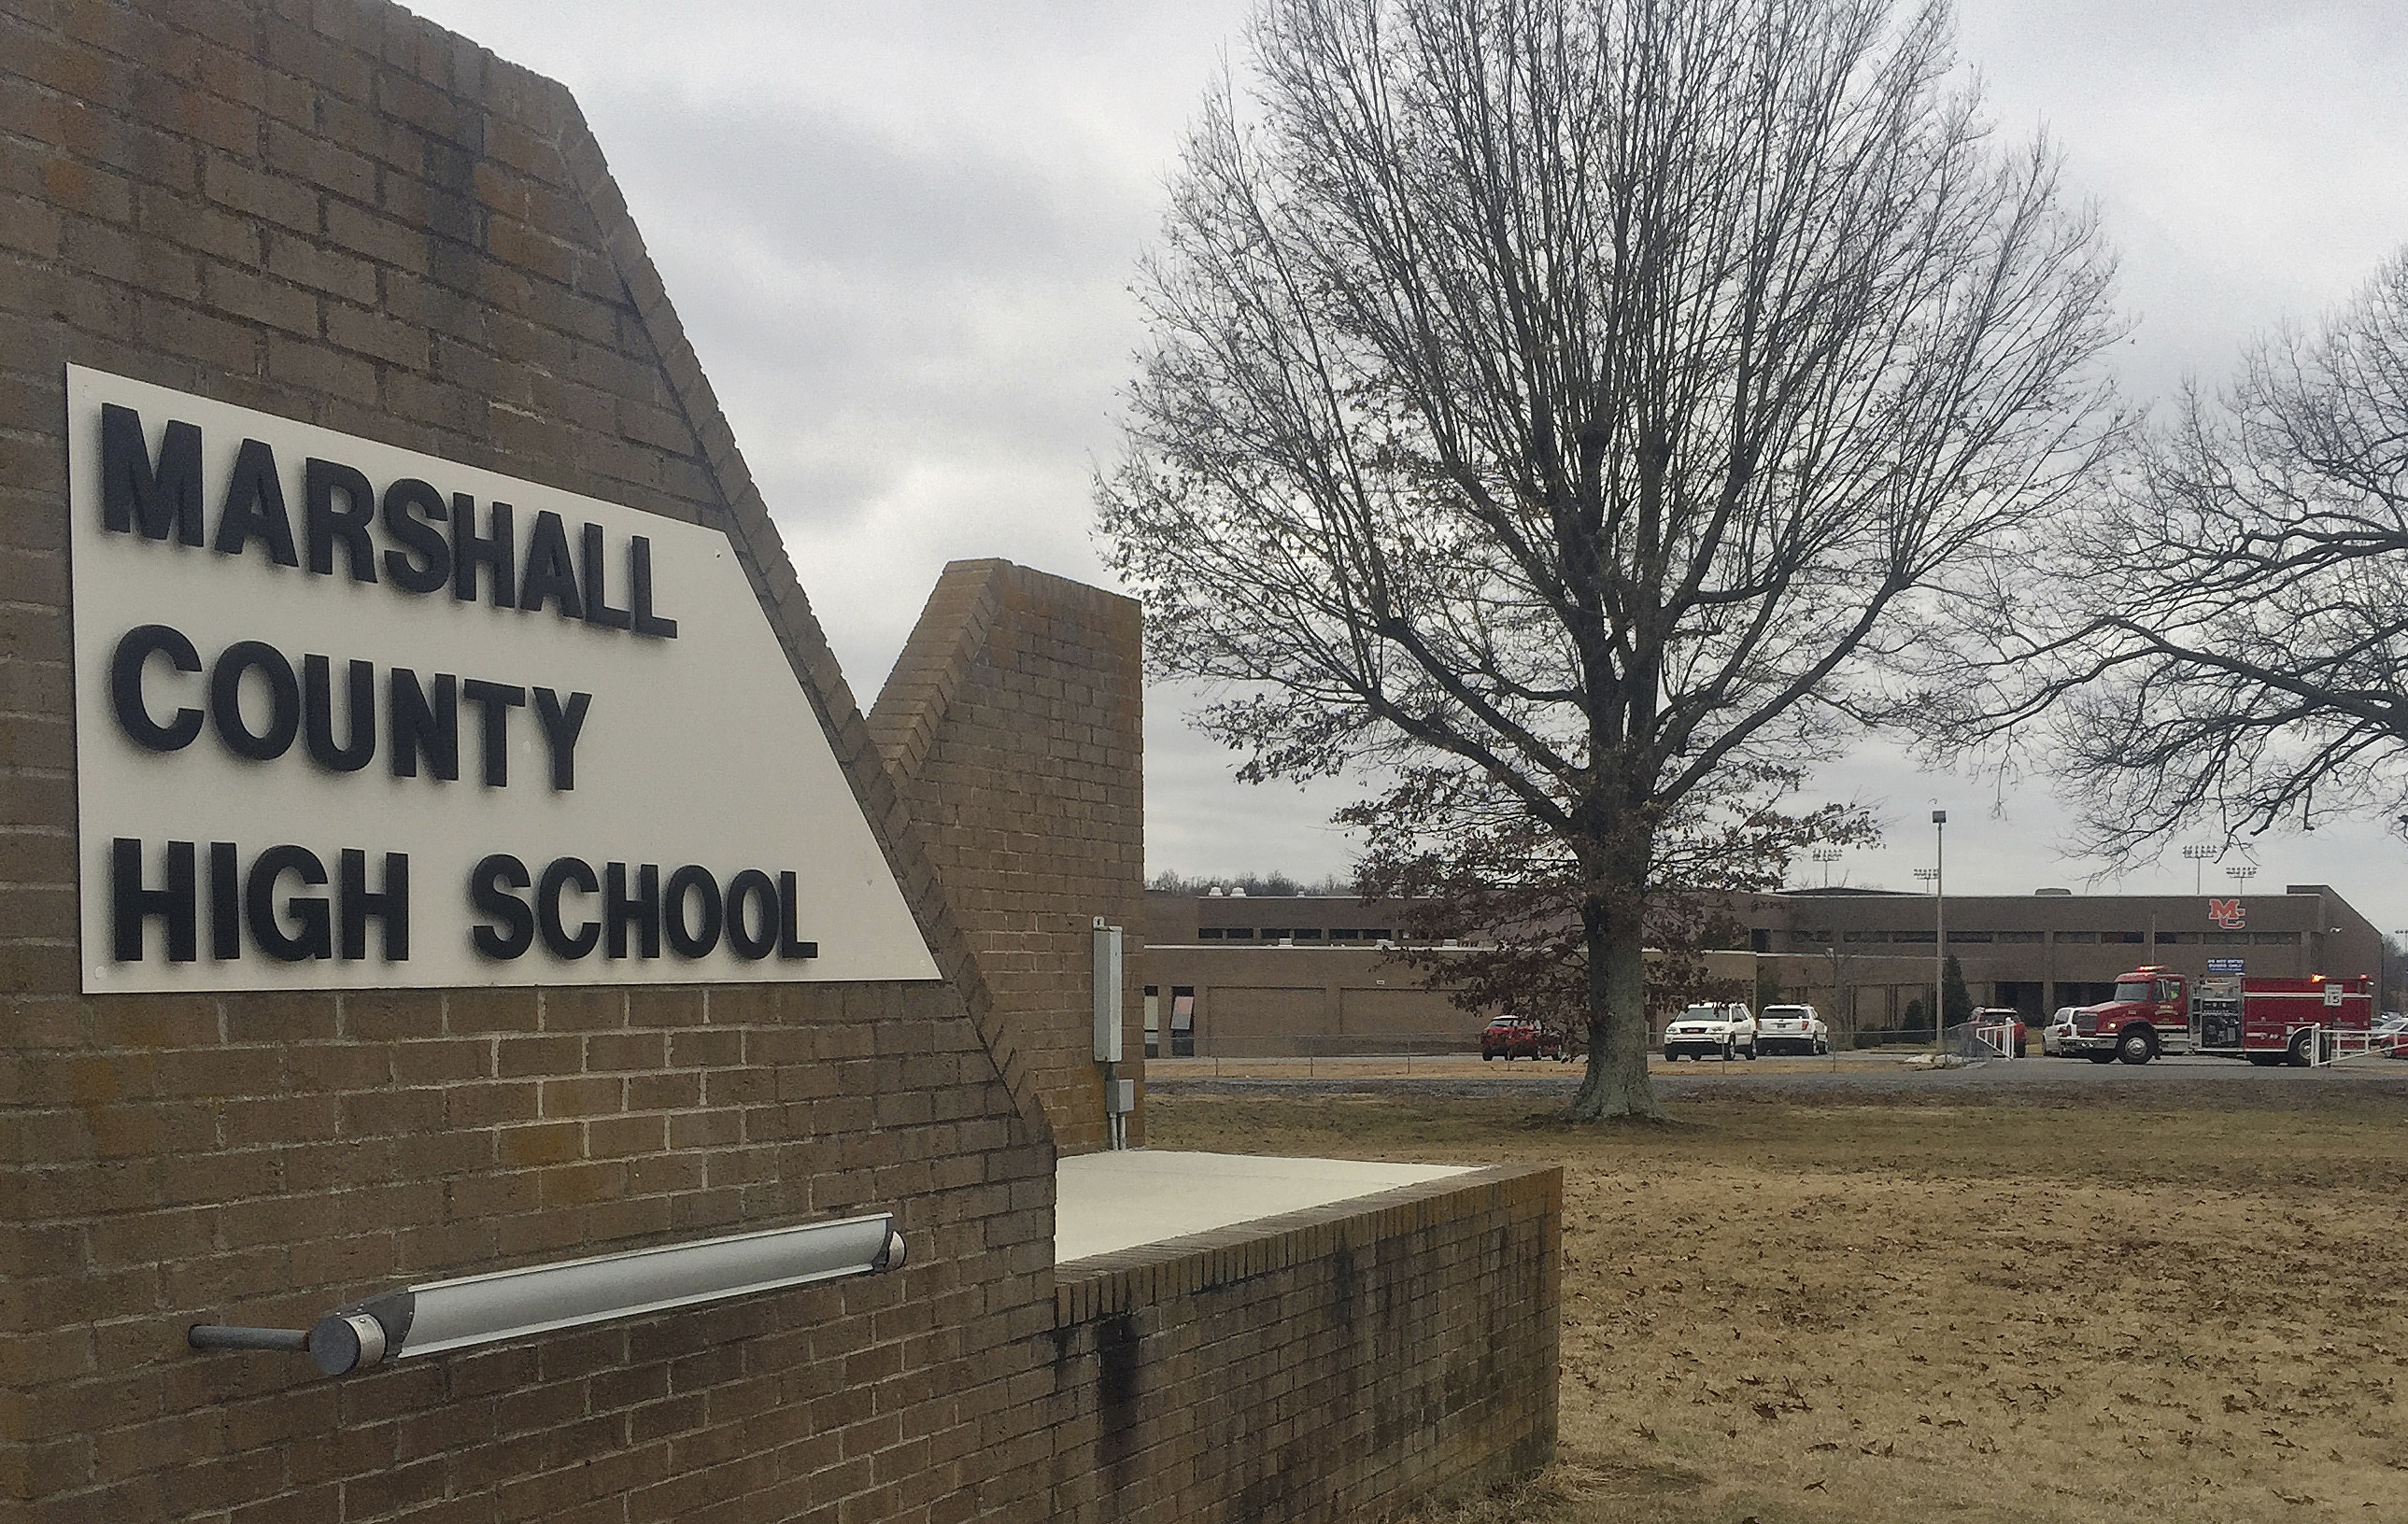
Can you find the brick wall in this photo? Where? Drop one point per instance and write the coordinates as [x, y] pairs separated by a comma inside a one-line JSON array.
[[1012, 725], [1327, 1364], [333, 211]]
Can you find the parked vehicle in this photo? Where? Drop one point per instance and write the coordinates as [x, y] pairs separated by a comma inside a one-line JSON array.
[[2266, 1020], [2391, 1034], [2011, 1019], [1709, 1029], [2060, 1031], [1792, 1029], [1511, 1037]]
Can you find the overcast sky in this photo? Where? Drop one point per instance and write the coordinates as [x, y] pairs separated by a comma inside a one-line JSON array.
[[900, 237]]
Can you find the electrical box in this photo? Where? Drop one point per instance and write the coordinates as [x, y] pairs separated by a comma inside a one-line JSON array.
[[1119, 1097], [1108, 992]]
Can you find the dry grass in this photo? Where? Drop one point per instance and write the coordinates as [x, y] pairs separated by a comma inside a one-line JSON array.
[[1799, 1312]]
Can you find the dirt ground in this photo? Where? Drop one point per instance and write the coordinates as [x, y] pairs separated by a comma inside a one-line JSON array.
[[1780, 1311]]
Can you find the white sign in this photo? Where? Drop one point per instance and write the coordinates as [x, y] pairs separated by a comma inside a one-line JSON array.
[[348, 717]]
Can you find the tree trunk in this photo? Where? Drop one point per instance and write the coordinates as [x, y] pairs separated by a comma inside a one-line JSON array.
[[1616, 1084]]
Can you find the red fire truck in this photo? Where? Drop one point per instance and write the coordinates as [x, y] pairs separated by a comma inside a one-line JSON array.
[[2265, 1020]]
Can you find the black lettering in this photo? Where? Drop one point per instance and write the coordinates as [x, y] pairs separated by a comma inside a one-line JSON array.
[[562, 724], [317, 714], [752, 886], [494, 702], [640, 592], [254, 507], [131, 904], [597, 590], [791, 944], [327, 525], [561, 873], [310, 912], [225, 904], [134, 648], [390, 908], [490, 883], [695, 881], [134, 495], [496, 552], [643, 912], [411, 512], [283, 701], [551, 577], [424, 727]]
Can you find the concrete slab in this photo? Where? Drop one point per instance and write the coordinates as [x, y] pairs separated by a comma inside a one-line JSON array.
[[1116, 1201]]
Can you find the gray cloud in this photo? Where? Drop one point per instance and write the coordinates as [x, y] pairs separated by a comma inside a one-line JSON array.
[[900, 239]]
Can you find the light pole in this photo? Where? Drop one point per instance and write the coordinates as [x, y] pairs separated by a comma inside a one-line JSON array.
[[2196, 854], [1827, 856], [1931, 877], [1940, 918]]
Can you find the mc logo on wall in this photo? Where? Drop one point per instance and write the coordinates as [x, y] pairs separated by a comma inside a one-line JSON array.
[[2227, 913], [351, 716]]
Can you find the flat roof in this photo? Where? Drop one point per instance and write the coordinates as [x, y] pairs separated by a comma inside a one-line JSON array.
[[1119, 1199]]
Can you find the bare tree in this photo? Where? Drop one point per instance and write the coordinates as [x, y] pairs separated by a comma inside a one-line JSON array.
[[1553, 404], [2224, 640]]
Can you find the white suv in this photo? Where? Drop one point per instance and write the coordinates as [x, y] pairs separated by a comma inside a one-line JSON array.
[[1792, 1029], [1725, 1031]]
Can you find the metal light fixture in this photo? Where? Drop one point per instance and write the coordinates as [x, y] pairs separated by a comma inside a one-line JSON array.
[[513, 1303]]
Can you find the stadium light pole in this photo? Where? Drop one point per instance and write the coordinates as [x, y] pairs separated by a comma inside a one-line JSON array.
[[2196, 853], [1827, 856]]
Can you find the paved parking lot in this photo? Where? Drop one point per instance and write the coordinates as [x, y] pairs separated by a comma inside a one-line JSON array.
[[1870, 1074]]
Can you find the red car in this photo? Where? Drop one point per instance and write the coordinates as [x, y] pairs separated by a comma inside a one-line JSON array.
[[1511, 1037]]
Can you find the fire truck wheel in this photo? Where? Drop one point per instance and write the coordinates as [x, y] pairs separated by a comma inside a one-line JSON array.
[[2100, 1057], [2137, 1047], [2299, 1058]]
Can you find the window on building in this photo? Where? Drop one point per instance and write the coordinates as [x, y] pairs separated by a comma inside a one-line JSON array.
[[1307, 934], [1272, 934], [1153, 1021], [2121, 936], [1971, 936], [2021, 936], [1759, 939], [2177, 937], [1183, 1021], [1868, 936], [1915, 937], [1209, 933], [1345, 933], [1378, 933], [2077, 936], [2275, 939], [2224, 939]]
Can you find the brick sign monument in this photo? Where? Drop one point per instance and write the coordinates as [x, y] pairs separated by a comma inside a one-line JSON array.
[[455, 908]]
